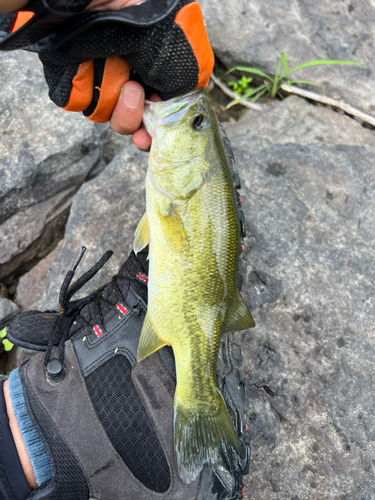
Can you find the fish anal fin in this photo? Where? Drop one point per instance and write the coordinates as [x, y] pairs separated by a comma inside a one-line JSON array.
[[141, 235], [238, 316], [149, 341]]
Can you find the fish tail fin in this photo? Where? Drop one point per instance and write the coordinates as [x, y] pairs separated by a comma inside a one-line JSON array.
[[204, 435]]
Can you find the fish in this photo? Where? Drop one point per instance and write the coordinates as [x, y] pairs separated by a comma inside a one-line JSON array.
[[192, 228]]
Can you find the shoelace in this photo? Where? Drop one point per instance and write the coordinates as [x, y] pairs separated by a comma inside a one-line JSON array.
[[68, 311]]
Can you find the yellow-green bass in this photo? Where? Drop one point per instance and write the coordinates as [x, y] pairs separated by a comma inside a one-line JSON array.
[[193, 231]]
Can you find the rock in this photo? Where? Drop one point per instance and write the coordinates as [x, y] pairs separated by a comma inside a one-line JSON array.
[[32, 285], [104, 216], [44, 150], [296, 120], [8, 310], [253, 34], [309, 360], [31, 234], [46, 154]]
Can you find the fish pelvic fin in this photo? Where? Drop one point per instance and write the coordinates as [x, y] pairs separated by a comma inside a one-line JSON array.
[[141, 235], [149, 341], [204, 435], [238, 317]]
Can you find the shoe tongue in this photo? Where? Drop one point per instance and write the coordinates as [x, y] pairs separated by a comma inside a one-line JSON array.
[[133, 265]]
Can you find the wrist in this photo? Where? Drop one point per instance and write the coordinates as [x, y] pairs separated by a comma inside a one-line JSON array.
[[18, 440]]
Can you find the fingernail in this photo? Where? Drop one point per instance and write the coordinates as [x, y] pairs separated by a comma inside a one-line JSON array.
[[131, 98]]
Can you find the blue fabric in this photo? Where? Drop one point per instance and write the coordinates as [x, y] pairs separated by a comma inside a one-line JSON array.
[[35, 448], [13, 484]]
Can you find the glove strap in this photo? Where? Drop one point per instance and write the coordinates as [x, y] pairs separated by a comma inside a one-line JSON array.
[[56, 22]]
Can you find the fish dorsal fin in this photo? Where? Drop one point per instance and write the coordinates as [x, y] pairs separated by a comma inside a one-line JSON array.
[[175, 231], [238, 316], [141, 235], [149, 341]]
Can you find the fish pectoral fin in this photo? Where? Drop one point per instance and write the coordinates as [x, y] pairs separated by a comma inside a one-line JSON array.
[[149, 341], [141, 235], [238, 316], [174, 228]]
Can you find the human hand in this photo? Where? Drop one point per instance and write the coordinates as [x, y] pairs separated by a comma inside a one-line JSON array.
[[171, 57]]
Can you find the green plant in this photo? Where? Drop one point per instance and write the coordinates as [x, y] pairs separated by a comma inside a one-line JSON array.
[[7, 346], [273, 85]]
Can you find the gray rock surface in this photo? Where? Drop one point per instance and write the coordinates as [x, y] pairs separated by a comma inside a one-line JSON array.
[[31, 234], [297, 121], [8, 310], [254, 33], [104, 216], [309, 361], [46, 154], [32, 285]]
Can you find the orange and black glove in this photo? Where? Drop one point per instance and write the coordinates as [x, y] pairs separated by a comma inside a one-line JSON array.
[[88, 56]]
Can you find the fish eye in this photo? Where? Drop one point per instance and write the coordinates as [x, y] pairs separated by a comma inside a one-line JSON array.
[[197, 122]]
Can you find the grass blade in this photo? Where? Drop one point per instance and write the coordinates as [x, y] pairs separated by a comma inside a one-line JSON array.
[[259, 95], [254, 71], [320, 63], [285, 65], [276, 80]]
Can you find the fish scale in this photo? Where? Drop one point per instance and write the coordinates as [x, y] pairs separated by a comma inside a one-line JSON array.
[[193, 231]]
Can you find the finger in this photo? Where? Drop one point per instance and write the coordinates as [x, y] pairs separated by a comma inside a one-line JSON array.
[[155, 97], [141, 138], [11, 5], [111, 4], [127, 114]]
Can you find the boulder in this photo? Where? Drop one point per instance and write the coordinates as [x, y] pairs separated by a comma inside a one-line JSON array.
[[104, 215], [31, 234], [297, 121], [308, 362], [253, 34], [8, 311], [32, 285], [46, 154]]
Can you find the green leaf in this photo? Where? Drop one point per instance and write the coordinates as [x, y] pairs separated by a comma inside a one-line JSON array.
[[7, 345], [259, 95], [254, 71], [251, 92], [242, 114], [285, 65], [320, 63], [276, 79], [3, 333]]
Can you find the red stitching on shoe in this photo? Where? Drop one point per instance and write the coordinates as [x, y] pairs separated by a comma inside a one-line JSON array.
[[142, 277], [121, 308], [97, 330]]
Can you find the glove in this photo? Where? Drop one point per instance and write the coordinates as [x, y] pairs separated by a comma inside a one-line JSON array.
[[89, 57], [97, 424]]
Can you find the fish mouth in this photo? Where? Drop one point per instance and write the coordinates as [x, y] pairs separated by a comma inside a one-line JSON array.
[[173, 110]]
